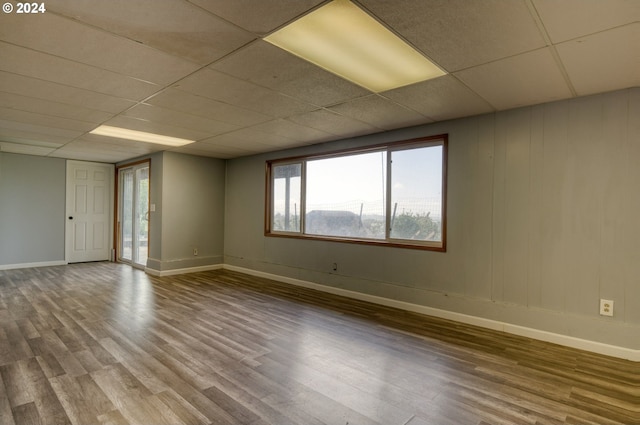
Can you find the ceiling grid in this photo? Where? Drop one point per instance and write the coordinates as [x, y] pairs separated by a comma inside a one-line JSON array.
[[201, 70]]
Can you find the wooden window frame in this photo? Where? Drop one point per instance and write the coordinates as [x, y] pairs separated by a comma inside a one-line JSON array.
[[437, 140]]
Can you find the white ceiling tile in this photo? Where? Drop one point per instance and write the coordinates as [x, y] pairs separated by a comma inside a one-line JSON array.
[[176, 27], [55, 109], [31, 135], [459, 34], [156, 128], [93, 155], [25, 149], [56, 35], [568, 19], [213, 150], [269, 66], [258, 16], [526, 79], [139, 61], [295, 132], [55, 125], [207, 108], [46, 90], [380, 112], [179, 119], [246, 138], [19, 60], [222, 87], [440, 99], [597, 53], [109, 150], [333, 123]]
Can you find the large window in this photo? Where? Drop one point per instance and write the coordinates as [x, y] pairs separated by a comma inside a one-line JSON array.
[[392, 194]]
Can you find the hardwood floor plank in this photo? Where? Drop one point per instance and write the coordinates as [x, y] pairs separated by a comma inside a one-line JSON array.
[[45, 399], [113, 418], [182, 409], [27, 329], [118, 384], [16, 384], [16, 341], [46, 359], [107, 344], [6, 415], [81, 398], [26, 414]]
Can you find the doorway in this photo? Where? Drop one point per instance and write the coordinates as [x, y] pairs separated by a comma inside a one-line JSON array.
[[88, 205], [133, 214]]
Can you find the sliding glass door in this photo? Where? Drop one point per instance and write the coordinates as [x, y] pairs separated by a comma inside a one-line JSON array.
[[133, 214]]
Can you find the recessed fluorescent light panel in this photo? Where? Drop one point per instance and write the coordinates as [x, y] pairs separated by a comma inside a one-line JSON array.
[[140, 136], [343, 39]]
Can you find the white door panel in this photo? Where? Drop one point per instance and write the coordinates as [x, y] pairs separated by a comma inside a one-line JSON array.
[[89, 188]]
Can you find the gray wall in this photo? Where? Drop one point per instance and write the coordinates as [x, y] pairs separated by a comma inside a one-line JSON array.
[[32, 209], [189, 195], [542, 222]]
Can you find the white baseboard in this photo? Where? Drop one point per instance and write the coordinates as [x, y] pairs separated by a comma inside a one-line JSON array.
[[567, 341], [29, 265], [173, 272]]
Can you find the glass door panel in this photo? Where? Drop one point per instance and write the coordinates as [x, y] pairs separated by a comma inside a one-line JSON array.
[[134, 214], [126, 216], [142, 216]]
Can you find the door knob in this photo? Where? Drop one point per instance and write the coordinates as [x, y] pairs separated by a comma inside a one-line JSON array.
[[70, 217]]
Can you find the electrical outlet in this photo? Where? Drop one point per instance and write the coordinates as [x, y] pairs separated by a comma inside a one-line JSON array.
[[195, 251], [606, 307]]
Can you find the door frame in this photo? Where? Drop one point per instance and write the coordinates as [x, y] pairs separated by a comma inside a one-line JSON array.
[[116, 209], [67, 248]]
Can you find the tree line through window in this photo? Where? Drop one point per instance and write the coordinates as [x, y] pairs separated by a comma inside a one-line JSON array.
[[390, 194]]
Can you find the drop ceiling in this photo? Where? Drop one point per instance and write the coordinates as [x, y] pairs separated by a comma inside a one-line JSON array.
[[200, 70]]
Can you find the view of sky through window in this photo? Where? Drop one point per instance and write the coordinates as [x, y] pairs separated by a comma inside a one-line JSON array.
[[345, 195]]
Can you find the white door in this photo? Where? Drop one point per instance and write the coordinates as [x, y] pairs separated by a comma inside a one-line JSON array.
[[89, 189]]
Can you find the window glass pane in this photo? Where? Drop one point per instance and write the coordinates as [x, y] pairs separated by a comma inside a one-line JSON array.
[[416, 194], [285, 187], [345, 196]]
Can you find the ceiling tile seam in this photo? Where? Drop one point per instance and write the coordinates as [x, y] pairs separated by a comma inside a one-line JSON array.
[[133, 40], [70, 87], [327, 109], [78, 63], [179, 127], [236, 26], [52, 101], [303, 14], [246, 46], [208, 66], [29, 142], [515, 55], [290, 119], [237, 105], [273, 133], [47, 126], [581, 37], [400, 36], [405, 106], [201, 97], [542, 29], [143, 101], [459, 80], [539, 21]]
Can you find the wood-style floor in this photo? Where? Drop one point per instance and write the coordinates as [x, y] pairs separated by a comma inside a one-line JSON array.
[[105, 344]]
